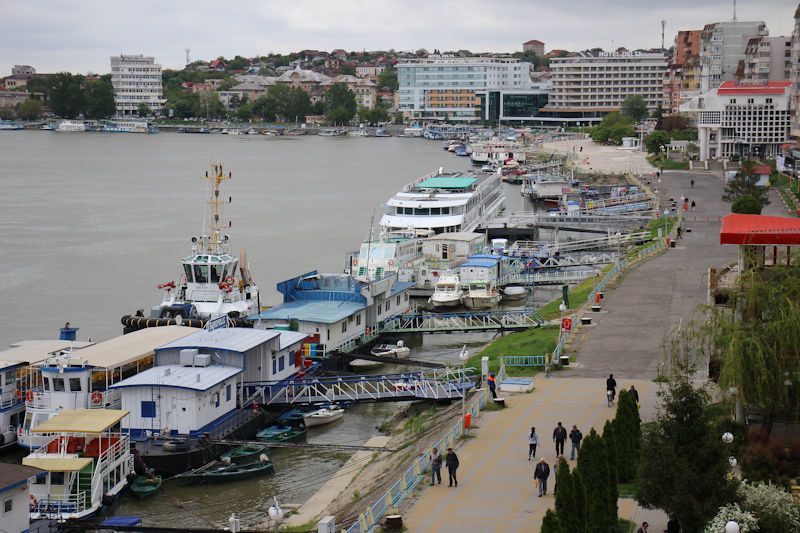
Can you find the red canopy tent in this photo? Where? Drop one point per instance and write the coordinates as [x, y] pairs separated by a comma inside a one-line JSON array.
[[759, 230]]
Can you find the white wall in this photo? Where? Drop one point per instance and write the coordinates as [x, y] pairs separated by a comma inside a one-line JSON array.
[[18, 518]]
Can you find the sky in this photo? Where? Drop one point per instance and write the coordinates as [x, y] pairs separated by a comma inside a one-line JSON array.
[[80, 35]]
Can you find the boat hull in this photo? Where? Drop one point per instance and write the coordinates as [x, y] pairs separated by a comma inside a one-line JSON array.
[[143, 487], [480, 302], [312, 420], [238, 473]]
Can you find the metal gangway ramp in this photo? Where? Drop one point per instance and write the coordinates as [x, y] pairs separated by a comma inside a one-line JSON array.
[[437, 384], [462, 322], [524, 248]]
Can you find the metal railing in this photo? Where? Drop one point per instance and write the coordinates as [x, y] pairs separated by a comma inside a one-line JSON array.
[[9, 398], [523, 360], [56, 507], [369, 520]]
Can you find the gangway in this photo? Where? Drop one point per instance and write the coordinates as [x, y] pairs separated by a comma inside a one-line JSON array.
[[649, 205], [601, 203], [549, 277], [565, 261], [438, 384], [533, 248], [582, 221], [462, 322]]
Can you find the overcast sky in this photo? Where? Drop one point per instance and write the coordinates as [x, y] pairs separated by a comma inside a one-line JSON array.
[[80, 35]]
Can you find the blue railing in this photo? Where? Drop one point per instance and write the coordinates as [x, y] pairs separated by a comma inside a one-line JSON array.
[[369, 520]]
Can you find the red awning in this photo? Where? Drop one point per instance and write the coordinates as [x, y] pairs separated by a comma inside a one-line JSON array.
[[759, 230]]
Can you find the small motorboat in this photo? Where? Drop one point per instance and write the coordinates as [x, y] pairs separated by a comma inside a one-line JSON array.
[[323, 416], [146, 485], [481, 295], [359, 365], [245, 453], [446, 292], [281, 433], [236, 472], [292, 417], [514, 292], [391, 350]]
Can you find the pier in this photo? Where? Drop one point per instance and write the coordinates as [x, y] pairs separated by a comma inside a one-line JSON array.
[[447, 384], [462, 322], [585, 222]]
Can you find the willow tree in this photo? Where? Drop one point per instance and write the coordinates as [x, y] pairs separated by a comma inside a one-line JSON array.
[[757, 341]]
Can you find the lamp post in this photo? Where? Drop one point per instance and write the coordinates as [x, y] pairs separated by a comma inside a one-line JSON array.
[[618, 237], [463, 356], [562, 308], [666, 214], [731, 527]]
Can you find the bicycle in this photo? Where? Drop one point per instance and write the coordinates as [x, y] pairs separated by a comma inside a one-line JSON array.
[[610, 397]]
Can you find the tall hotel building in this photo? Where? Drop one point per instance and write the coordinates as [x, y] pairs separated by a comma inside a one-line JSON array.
[[136, 80], [588, 86]]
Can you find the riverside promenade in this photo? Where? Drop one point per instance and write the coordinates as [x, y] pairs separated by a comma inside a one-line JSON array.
[[496, 491]]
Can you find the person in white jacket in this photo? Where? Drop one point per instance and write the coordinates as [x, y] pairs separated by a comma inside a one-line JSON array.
[[533, 442]]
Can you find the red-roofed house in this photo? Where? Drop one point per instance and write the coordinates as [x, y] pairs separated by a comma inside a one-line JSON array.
[[533, 46], [742, 120], [217, 64]]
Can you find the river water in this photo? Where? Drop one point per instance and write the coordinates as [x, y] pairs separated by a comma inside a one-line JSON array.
[[91, 223]]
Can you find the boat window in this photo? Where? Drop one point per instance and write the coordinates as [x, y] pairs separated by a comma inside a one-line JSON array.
[[148, 409], [424, 211], [228, 392], [281, 363], [216, 273], [188, 270], [445, 210], [8, 505], [201, 274], [58, 384], [74, 384], [436, 210], [56, 478], [275, 363], [10, 377]]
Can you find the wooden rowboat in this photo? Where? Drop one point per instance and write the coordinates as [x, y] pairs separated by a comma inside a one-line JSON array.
[[144, 486]]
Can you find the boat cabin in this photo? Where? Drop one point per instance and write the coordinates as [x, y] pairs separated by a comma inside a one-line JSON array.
[[14, 495], [12, 402], [481, 267], [86, 459], [444, 252]]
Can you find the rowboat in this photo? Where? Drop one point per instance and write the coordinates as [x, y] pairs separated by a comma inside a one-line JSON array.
[[144, 486], [236, 472], [292, 417], [192, 477], [245, 453], [323, 416], [281, 433]]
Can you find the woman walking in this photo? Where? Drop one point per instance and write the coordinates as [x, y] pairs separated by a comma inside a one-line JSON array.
[[451, 462], [533, 442], [436, 466]]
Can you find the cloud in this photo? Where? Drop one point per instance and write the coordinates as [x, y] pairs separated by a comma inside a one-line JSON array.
[[81, 35]]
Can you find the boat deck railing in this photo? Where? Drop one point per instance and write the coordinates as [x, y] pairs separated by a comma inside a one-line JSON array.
[[56, 506], [9, 398], [475, 321]]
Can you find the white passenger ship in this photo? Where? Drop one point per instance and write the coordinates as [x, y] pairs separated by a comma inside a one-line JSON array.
[[445, 202]]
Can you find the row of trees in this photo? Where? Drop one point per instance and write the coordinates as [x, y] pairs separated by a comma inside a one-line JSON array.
[[586, 497], [74, 95]]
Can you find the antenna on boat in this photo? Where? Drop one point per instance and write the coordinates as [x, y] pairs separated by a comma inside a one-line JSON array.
[[369, 240], [215, 242]]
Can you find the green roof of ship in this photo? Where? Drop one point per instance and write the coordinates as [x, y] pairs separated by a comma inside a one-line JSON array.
[[447, 183]]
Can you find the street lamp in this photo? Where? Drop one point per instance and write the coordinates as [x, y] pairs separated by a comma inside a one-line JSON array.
[[463, 356], [731, 527], [666, 214], [618, 236]]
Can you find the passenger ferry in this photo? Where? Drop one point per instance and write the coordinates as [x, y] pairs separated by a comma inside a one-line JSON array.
[[71, 126], [497, 152], [445, 202], [129, 125], [213, 281], [397, 252], [86, 461]]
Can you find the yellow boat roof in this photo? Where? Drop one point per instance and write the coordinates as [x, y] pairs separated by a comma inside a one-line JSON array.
[[81, 421], [35, 351], [128, 348], [57, 464]]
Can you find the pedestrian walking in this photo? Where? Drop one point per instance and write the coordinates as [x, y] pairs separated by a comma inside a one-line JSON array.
[[533, 442], [451, 462], [436, 466], [611, 385], [692, 182], [633, 389], [540, 475], [559, 437], [492, 384], [679, 232], [685, 207], [575, 436], [693, 205], [644, 527]]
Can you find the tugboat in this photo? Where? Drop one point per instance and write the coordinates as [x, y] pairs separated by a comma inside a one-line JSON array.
[[213, 282]]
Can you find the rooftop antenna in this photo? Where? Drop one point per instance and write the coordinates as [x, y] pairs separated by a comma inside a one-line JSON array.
[[734, 12], [369, 241], [663, 25], [187, 56]]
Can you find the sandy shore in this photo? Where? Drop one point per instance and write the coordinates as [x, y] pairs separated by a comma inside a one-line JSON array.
[[590, 157]]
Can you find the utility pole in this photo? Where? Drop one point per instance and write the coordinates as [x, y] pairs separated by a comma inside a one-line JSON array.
[[734, 12], [187, 56], [663, 25]]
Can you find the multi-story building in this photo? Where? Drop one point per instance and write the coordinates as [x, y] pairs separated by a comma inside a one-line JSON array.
[[795, 74], [136, 80], [23, 71], [534, 47], [722, 46], [767, 58], [742, 120], [682, 74], [366, 91], [447, 87], [369, 70], [588, 86]]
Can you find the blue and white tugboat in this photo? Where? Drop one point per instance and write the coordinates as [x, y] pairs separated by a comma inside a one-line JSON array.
[[213, 282]]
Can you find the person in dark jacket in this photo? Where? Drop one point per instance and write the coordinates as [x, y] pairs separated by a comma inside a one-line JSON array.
[[576, 437], [635, 394], [611, 385], [673, 526], [451, 462], [492, 384], [559, 437], [436, 466], [541, 473]]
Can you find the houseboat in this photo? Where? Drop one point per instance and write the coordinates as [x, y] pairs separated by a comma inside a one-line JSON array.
[[442, 253], [496, 152], [445, 202], [397, 252], [87, 461], [12, 402], [213, 281], [82, 378], [549, 188], [129, 125]]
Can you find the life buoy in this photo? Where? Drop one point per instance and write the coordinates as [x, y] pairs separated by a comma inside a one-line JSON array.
[[17, 393], [229, 280], [409, 264], [97, 397], [29, 395], [390, 262], [34, 502], [368, 332], [566, 324]]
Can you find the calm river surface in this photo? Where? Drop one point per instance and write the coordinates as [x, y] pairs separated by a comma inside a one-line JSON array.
[[91, 223]]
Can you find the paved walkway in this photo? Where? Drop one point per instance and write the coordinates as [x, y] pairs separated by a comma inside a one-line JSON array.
[[601, 159], [495, 490], [627, 337]]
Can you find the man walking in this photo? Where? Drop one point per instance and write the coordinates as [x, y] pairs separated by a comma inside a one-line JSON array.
[[540, 474], [635, 394], [436, 466], [492, 384], [693, 205], [575, 436], [559, 437], [692, 182], [451, 462]]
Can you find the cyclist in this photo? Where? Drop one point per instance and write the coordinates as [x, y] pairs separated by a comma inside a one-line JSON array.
[[611, 388]]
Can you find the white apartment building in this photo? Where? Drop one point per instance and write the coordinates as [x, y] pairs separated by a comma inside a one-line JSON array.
[[136, 80], [744, 120], [446, 88], [722, 46], [590, 86], [767, 58], [795, 74]]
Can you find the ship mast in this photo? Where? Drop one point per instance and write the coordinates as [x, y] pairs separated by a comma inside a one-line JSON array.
[[214, 244]]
